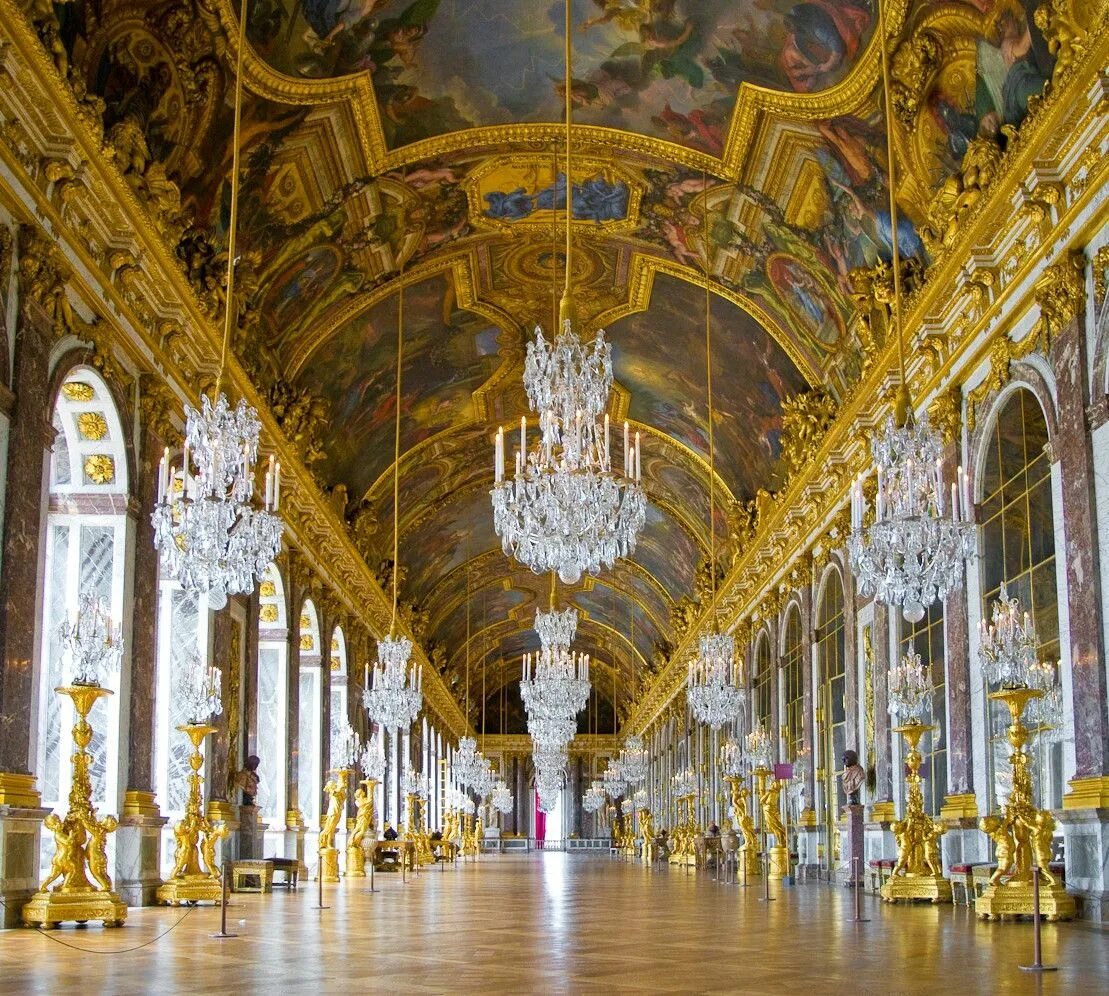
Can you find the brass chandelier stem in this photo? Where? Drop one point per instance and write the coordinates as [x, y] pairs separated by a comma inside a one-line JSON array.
[[708, 383], [229, 300], [903, 400], [396, 454], [566, 307]]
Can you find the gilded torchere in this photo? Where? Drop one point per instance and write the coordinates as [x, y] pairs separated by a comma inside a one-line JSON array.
[[80, 841], [196, 875], [769, 789], [647, 830], [336, 789], [918, 871], [424, 854], [364, 821], [1022, 834], [749, 849]]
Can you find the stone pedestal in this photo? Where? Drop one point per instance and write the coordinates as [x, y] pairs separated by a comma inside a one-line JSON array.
[[138, 841], [252, 831], [779, 863], [20, 838], [1085, 822], [329, 860], [963, 843], [854, 851]]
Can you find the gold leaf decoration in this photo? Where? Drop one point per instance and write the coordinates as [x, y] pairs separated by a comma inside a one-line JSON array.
[[267, 589], [268, 613], [92, 425], [77, 390], [100, 468]]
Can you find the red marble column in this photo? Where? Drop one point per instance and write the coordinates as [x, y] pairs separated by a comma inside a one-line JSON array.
[[294, 599], [807, 720], [30, 436], [1080, 555], [851, 666], [883, 762]]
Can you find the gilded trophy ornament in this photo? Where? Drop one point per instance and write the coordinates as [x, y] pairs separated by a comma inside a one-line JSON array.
[[80, 839], [196, 874], [1021, 834]]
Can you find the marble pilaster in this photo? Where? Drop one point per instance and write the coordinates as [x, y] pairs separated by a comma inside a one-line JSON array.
[[137, 843], [20, 838], [880, 666], [851, 663]]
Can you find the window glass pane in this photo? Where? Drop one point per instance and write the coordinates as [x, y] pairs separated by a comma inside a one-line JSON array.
[[95, 576], [55, 737], [271, 737]]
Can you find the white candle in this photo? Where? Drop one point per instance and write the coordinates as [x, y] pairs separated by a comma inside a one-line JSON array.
[[637, 456], [608, 466], [627, 464], [276, 486], [523, 434]]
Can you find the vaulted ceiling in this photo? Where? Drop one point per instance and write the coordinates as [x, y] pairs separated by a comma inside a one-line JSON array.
[[415, 145]]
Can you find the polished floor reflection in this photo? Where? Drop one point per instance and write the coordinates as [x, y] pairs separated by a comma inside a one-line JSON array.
[[555, 923]]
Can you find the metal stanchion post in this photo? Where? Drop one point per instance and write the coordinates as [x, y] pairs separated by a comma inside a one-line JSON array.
[[319, 884], [858, 917], [743, 860], [766, 897], [223, 905], [1037, 959]]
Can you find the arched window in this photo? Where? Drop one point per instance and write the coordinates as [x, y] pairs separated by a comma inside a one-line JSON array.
[[309, 785], [926, 638], [1018, 548], [273, 653], [86, 542], [832, 710], [763, 683], [793, 685], [338, 658]]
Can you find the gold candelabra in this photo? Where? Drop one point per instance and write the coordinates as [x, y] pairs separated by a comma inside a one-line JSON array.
[[470, 846], [769, 790], [364, 822], [682, 851], [749, 849], [424, 854], [918, 871], [80, 841], [196, 875], [1022, 834], [336, 789], [647, 831]]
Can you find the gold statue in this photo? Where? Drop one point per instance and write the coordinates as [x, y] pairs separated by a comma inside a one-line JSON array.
[[768, 789], [336, 789], [196, 838], [1021, 833], [749, 850], [918, 871], [363, 822], [80, 839]]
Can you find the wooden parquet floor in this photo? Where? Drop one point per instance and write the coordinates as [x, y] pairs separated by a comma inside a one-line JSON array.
[[552, 923]]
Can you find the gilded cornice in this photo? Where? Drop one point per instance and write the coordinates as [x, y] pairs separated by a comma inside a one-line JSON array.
[[102, 214], [755, 106], [1055, 141]]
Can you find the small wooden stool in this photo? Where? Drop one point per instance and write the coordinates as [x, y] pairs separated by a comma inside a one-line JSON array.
[[261, 871]]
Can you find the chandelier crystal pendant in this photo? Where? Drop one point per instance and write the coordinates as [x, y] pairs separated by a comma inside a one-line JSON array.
[[91, 644], [395, 694], [210, 536], [594, 797], [759, 747], [198, 690], [913, 553], [555, 682], [910, 690], [713, 691], [633, 760], [346, 749], [564, 509]]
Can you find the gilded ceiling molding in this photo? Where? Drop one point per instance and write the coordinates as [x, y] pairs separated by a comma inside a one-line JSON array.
[[104, 212], [754, 105], [1055, 140]]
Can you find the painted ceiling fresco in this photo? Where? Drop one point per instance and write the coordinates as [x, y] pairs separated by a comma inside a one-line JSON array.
[[344, 198], [665, 68]]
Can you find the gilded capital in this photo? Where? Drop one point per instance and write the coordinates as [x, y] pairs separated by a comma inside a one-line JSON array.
[[946, 413], [1061, 293]]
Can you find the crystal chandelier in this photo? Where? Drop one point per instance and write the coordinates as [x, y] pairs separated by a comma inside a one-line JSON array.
[[372, 760], [613, 778], [550, 771], [731, 759], [555, 682], [198, 689], [633, 760], [346, 748], [1007, 646], [594, 797], [759, 747], [210, 536], [394, 697], [639, 800], [91, 644], [684, 783], [912, 553], [468, 763], [502, 798], [564, 508], [413, 783], [713, 691], [627, 807], [910, 689]]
